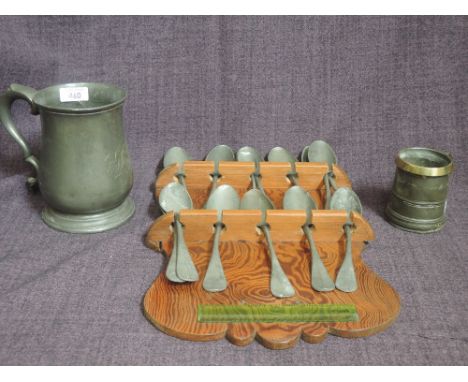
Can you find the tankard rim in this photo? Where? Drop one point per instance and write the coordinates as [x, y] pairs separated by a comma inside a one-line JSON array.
[[42, 98], [402, 162]]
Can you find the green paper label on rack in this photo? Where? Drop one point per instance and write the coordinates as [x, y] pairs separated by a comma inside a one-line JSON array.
[[278, 313]]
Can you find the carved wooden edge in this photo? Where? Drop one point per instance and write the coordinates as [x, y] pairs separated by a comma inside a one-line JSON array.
[[313, 333]]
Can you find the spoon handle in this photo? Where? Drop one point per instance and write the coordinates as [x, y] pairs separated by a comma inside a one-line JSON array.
[[326, 180], [293, 179], [171, 265], [258, 185], [215, 280], [214, 184], [279, 284], [254, 181], [321, 280], [346, 278], [185, 268], [332, 180]]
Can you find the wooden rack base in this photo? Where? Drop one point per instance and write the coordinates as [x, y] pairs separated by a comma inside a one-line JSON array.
[[173, 307]]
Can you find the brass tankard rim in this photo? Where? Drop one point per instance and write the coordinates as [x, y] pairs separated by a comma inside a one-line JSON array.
[[102, 97], [409, 159]]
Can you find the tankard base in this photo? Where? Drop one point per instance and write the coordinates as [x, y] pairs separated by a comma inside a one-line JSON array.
[[100, 222], [414, 225]]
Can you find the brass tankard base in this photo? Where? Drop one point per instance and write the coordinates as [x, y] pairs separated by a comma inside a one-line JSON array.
[[100, 222], [414, 225]]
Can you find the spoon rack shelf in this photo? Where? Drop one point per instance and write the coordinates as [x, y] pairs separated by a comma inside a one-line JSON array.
[[237, 174]]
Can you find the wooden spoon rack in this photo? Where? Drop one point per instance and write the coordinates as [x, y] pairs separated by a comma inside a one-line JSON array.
[[173, 307]]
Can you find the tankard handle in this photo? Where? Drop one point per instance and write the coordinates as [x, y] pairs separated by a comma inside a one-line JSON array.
[[13, 93]]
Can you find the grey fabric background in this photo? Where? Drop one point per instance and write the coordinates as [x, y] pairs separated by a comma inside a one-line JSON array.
[[367, 85]]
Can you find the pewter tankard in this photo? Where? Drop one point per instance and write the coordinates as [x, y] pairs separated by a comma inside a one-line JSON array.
[[83, 169]]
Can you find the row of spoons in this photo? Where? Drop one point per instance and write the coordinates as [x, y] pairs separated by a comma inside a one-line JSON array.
[[317, 151], [175, 197]]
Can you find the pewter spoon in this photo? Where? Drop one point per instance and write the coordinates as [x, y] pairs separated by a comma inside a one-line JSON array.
[[279, 284], [321, 151], [296, 198], [175, 155], [174, 197], [280, 154], [224, 197], [217, 154], [249, 154], [346, 199]]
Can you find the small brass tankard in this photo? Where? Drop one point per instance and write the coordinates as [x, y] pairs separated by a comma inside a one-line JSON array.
[[419, 194], [83, 168]]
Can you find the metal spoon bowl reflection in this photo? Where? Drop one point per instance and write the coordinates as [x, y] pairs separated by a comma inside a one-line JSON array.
[[248, 154], [296, 198], [223, 198], [175, 155], [221, 153], [280, 154], [321, 151]]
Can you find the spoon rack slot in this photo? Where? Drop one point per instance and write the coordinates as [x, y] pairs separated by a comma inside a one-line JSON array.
[[237, 174], [173, 307]]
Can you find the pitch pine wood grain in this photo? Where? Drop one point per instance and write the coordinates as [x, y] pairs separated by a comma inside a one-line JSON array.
[[173, 307]]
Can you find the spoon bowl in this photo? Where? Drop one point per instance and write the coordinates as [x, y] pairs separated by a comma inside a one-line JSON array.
[[296, 198], [174, 197], [345, 199], [248, 154], [225, 197], [221, 153], [175, 155], [280, 154], [254, 199], [321, 151]]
